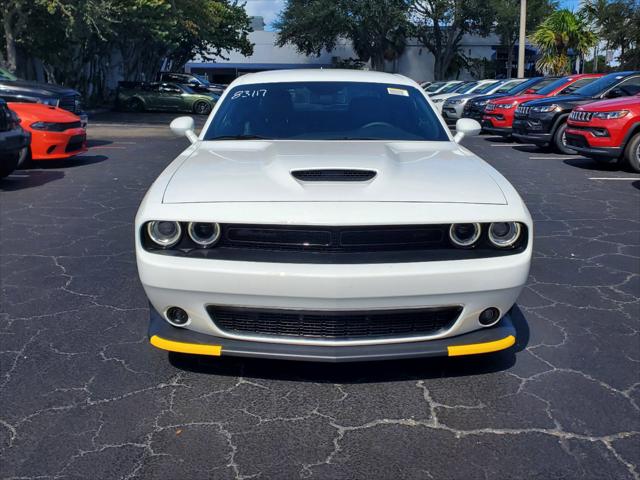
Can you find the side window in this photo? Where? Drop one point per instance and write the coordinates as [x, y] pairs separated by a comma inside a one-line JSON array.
[[169, 88], [576, 85], [630, 86]]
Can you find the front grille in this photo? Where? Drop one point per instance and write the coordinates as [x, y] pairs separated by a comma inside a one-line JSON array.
[[522, 111], [490, 107], [580, 116], [61, 127], [333, 175], [335, 325], [75, 143], [70, 103]]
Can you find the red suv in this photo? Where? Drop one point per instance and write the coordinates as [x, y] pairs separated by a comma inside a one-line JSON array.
[[498, 113], [609, 129]]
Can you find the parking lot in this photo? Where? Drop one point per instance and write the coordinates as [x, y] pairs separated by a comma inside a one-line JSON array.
[[86, 396]]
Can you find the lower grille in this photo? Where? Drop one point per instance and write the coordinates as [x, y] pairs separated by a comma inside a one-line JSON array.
[[576, 141], [338, 325], [75, 143]]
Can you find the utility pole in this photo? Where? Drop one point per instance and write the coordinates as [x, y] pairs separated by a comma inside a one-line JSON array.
[[523, 34]]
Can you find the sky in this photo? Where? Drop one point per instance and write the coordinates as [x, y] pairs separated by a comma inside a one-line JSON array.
[[268, 9]]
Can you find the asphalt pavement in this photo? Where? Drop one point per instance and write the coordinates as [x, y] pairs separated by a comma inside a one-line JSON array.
[[83, 394]]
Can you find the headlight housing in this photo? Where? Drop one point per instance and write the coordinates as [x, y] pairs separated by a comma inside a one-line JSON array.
[[506, 106], [504, 234], [610, 115], [465, 234], [164, 233], [546, 108], [437, 100], [204, 234]]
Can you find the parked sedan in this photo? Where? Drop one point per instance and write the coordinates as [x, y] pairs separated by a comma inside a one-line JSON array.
[[607, 130], [330, 216], [166, 97], [499, 113], [13, 140], [544, 122], [466, 88], [443, 87], [55, 133]]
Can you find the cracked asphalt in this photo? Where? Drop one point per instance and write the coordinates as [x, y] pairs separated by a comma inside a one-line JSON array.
[[84, 396]]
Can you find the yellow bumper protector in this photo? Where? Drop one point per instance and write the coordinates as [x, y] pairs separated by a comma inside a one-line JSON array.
[[474, 348], [182, 347]]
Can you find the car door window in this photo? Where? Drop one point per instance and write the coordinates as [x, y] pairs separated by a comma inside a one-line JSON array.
[[168, 88], [631, 86], [569, 89]]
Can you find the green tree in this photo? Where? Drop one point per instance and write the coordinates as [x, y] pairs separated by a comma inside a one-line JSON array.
[[507, 18], [441, 24], [376, 29], [561, 32]]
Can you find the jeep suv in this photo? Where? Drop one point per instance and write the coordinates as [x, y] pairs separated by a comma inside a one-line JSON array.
[[13, 139], [544, 122], [607, 130]]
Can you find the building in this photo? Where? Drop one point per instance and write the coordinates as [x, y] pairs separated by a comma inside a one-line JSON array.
[[416, 61]]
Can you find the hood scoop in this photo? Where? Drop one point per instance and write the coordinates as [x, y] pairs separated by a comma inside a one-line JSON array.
[[333, 175]]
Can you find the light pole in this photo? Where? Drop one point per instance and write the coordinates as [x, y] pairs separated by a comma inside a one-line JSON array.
[[523, 34]]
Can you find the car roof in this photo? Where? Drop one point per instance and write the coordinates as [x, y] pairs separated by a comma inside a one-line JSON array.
[[322, 75]]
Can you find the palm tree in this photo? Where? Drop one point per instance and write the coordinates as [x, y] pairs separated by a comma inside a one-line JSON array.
[[560, 32]]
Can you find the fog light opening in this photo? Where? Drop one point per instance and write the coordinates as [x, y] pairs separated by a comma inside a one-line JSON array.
[[177, 317], [489, 316]]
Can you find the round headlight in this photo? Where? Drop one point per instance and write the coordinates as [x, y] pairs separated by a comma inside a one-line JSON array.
[[164, 233], [504, 234], [204, 234], [464, 234]]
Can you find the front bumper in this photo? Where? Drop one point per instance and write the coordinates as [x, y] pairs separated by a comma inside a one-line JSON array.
[[166, 337], [487, 126], [580, 144], [452, 112], [58, 145]]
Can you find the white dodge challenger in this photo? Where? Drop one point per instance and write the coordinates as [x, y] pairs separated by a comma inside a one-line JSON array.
[[330, 215]]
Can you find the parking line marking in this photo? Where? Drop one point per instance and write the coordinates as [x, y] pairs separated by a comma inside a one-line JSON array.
[[614, 178], [512, 145], [564, 157]]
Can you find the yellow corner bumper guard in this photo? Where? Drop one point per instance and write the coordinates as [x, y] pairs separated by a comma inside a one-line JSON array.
[[487, 347], [182, 347]]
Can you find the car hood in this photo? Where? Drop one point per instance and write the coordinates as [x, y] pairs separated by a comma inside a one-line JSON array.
[[37, 88], [42, 113], [614, 104], [260, 171]]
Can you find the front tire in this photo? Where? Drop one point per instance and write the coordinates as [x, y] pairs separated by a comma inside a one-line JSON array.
[[8, 164], [24, 158], [201, 108], [631, 156], [560, 140]]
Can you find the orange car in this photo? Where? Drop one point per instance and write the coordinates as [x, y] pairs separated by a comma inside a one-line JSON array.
[[55, 133]]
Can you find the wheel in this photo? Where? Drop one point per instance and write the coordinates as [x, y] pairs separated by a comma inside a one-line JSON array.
[[24, 158], [8, 164], [560, 140], [135, 105], [631, 156], [201, 108]]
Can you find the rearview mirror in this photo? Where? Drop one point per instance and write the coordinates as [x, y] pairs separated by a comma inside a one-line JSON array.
[[466, 127], [184, 126]]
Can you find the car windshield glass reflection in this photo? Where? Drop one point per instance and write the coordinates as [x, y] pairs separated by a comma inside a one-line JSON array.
[[326, 111]]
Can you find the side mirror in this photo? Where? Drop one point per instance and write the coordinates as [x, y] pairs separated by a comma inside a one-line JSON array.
[[184, 126], [466, 127]]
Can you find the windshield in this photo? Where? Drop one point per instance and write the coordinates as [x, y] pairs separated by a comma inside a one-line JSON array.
[[486, 88], [434, 86], [325, 111], [600, 85], [187, 89], [508, 86], [466, 87], [553, 85], [452, 88]]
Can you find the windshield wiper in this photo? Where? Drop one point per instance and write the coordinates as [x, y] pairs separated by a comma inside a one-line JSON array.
[[240, 137]]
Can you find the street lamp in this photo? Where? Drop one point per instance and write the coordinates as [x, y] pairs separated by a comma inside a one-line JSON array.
[[523, 34]]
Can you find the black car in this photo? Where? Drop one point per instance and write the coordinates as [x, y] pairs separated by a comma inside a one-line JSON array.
[[543, 122], [13, 139], [16, 90], [199, 84], [474, 108]]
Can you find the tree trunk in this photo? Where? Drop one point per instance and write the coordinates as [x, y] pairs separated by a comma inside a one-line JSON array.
[[10, 42], [509, 59]]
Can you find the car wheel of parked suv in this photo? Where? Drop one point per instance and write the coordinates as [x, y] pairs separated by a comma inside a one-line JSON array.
[[632, 153], [560, 140], [24, 158]]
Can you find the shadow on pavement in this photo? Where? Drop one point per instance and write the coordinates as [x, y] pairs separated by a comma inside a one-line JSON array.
[[79, 161], [592, 164], [360, 372], [22, 179], [636, 185], [91, 142]]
